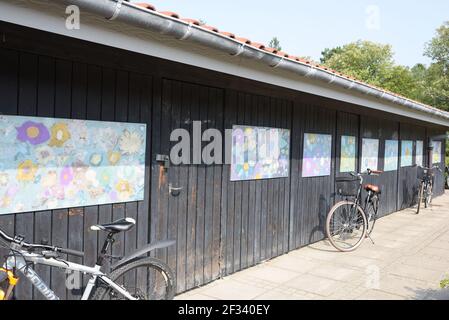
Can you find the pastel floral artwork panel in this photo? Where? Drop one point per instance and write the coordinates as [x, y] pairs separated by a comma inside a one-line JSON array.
[[406, 153], [347, 155], [48, 163], [419, 152], [259, 153], [436, 152], [317, 155], [391, 155], [370, 154]]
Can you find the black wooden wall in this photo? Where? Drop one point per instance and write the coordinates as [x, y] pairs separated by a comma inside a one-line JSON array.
[[220, 226], [33, 85]]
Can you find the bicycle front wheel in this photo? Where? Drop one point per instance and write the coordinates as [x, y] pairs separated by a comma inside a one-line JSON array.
[[428, 199], [420, 196], [145, 279], [346, 226]]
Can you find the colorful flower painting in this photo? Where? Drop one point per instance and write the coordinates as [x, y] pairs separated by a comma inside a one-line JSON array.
[[436, 152], [370, 154], [406, 153], [347, 155], [391, 155], [317, 155], [48, 163], [419, 153], [259, 153]]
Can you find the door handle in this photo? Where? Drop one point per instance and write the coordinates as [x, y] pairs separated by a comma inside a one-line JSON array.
[[174, 191]]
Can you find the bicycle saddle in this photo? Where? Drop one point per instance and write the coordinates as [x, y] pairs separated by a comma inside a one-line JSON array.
[[371, 187], [117, 226]]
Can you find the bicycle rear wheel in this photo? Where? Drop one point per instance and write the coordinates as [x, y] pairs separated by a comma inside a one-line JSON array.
[[371, 214], [346, 226], [145, 279]]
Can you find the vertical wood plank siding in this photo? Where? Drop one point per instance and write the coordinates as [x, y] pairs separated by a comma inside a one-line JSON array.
[[220, 226]]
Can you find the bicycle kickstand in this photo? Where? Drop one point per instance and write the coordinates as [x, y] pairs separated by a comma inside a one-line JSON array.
[[369, 236]]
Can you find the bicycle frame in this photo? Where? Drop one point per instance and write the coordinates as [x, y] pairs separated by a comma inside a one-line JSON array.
[[18, 259], [358, 198]]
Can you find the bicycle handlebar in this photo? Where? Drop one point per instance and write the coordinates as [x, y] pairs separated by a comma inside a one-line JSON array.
[[32, 246], [429, 169], [71, 252], [367, 172]]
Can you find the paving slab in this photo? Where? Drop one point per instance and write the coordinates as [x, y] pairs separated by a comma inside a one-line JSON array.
[[409, 257]]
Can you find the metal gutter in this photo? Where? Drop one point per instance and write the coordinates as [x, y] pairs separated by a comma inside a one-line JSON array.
[[154, 21]]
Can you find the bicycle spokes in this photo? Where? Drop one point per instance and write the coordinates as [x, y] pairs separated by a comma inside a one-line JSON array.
[[347, 226]]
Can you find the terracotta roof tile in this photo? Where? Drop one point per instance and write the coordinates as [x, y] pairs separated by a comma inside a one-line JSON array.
[[228, 34], [244, 40], [271, 50], [170, 14], [258, 45], [210, 28], [192, 21], [146, 6], [283, 54]]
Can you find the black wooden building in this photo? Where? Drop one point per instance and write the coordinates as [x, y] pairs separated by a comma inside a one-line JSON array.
[[129, 63]]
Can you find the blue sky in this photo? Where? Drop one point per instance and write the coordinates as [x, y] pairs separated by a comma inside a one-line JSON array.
[[306, 27]]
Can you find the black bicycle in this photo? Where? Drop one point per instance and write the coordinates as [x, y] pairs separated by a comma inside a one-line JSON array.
[[350, 221], [446, 176], [426, 178]]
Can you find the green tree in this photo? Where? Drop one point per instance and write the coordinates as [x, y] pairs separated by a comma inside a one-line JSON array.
[[437, 78], [438, 48], [372, 63], [327, 53], [275, 44]]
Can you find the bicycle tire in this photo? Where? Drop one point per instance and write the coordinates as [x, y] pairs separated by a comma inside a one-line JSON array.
[[420, 196], [428, 199], [375, 207], [101, 291], [328, 225]]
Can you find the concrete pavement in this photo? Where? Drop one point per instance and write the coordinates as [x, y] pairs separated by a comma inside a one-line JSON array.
[[409, 258]]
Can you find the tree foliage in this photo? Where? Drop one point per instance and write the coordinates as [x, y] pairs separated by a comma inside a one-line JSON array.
[[327, 53], [373, 63], [436, 85], [275, 44]]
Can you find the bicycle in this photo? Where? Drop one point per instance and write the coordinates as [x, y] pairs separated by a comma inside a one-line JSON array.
[[446, 176], [425, 190], [149, 277], [347, 223]]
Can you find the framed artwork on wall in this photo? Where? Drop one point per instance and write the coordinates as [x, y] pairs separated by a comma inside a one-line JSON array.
[[391, 155], [348, 153], [48, 163], [436, 152], [419, 153], [259, 153], [317, 155], [406, 153], [370, 154]]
